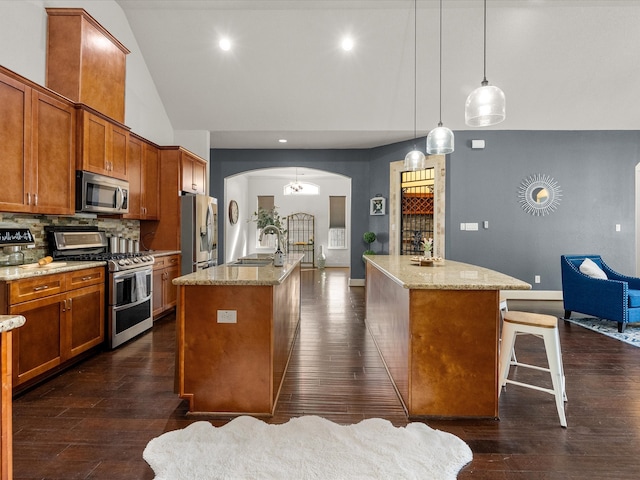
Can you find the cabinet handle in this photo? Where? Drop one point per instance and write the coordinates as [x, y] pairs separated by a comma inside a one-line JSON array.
[[35, 199], [40, 288], [194, 186], [64, 305], [28, 198], [84, 279], [70, 303]]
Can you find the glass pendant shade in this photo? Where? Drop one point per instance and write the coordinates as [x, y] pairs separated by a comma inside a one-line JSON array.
[[485, 106], [414, 160], [440, 141]]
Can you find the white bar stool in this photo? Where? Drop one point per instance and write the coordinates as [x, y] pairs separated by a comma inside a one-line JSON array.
[[545, 326]]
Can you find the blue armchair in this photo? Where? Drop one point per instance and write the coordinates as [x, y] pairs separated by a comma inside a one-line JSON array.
[[617, 298]]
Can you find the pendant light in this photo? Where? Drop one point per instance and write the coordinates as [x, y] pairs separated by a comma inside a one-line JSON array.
[[440, 140], [486, 104], [415, 159]]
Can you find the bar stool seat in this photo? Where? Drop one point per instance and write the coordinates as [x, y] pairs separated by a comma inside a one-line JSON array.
[[545, 326]]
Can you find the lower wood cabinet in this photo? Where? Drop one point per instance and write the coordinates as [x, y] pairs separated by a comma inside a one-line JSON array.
[[165, 293], [65, 318]]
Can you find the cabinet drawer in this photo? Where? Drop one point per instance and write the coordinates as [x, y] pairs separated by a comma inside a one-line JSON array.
[[166, 261], [84, 278], [37, 287]]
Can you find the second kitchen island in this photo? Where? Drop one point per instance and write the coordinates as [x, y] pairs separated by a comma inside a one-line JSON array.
[[437, 329], [236, 324]]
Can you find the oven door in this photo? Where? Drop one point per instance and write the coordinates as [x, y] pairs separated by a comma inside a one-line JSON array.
[[130, 305]]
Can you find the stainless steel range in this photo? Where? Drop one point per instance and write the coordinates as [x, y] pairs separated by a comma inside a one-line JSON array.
[[129, 281]]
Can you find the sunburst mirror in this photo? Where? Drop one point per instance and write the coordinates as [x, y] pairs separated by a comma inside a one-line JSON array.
[[539, 194]]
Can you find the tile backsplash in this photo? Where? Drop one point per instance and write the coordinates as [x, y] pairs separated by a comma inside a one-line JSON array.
[[37, 223]]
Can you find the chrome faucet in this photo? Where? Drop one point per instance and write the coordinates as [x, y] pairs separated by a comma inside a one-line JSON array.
[[278, 256], [276, 230]]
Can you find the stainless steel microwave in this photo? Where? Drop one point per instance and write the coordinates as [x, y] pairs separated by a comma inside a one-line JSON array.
[[100, 194]]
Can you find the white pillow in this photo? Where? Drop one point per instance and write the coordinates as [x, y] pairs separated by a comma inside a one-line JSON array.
[[590, 268]]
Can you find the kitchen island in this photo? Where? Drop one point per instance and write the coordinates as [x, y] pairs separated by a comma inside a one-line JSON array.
[[235, 328], [437, 328]]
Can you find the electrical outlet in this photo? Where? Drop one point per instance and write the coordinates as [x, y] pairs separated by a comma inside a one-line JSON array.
[[227, 316], [617, 227], [537, 279]]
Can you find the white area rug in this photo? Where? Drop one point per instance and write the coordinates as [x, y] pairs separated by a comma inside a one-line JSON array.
[[609, 328], [307, 447]]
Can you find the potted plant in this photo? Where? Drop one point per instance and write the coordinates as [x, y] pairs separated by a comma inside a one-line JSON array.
[[369, 238], [264, 217]]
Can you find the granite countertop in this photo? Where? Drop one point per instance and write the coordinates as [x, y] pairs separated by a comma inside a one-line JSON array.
[[447, 275], [162, 253], [10, 322], [31, 270], [242, 275]]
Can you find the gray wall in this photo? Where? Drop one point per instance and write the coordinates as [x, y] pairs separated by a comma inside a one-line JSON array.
[[595, 172]]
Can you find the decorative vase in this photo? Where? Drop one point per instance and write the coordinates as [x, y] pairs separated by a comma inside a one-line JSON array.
[[322, 258]]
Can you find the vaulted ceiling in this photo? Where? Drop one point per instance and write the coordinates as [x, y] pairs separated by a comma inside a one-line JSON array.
[[563, 65]]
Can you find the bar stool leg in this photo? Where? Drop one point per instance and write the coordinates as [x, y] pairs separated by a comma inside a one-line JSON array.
[[552, 345], [506, 349]]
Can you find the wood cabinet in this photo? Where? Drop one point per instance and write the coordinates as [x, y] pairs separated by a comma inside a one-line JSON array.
[[65, 318], [165, 233], [102, 145], [165, 269], [85, 63], [193, 173], [37, 149], [144, 179]]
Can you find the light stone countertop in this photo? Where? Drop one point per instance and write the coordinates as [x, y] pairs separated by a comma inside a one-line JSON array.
[[448, 275], [10, 322], [243, 275], [161, 253], [18, 272]]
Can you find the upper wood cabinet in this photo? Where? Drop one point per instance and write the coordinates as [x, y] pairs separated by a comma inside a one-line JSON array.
[[85, 63], [144, 179], [37, 149], [102, 145], [181, 171], [193, 170]]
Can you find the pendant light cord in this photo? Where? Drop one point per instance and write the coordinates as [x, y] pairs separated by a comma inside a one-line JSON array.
[[484, 56], [415, 70], [440, 121]]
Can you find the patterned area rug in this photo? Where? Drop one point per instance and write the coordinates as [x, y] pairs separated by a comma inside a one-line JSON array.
[[307, 447], [609, 328]]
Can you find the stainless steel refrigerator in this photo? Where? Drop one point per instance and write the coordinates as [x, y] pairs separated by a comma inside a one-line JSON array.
[[198, 232]]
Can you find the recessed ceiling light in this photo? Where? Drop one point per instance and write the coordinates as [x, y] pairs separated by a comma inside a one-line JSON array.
[[283, 140], [347, 44], [225, 44]]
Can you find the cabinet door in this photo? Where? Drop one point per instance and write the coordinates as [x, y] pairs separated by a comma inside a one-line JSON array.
[[53, 155], [85, 319], [15, 121], [199, 176], [158, 290], [186, 171], [37, 345], [151, 182], [134, 148], [171, 291], [95, 132], [118, 152]]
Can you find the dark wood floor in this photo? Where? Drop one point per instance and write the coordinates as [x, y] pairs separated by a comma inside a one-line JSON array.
[[94, 420]]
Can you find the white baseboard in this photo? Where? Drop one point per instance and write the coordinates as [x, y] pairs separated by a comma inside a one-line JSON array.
[[356, 282], [531, 294]]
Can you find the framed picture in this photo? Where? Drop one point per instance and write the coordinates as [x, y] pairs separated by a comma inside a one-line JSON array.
[[377, 206]]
